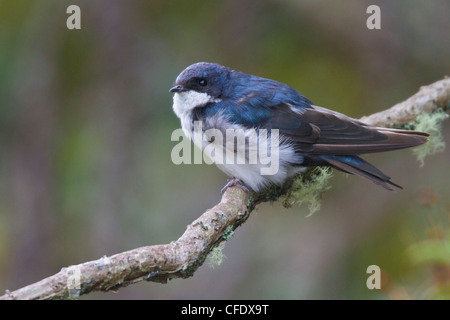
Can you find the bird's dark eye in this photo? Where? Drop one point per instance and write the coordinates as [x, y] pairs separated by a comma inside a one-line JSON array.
[[202, 82]]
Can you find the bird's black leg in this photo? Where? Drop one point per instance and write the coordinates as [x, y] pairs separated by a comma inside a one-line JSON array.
[[235, 182]]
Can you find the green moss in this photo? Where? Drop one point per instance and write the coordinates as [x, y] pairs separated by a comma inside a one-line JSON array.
[[432, 124], [308, 189], [216, 256]]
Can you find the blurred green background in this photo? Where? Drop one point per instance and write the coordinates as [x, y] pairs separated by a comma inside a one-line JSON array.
[[86, 119]]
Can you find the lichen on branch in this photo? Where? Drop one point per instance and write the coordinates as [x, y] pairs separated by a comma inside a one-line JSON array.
[[431, 123], [309, 190]]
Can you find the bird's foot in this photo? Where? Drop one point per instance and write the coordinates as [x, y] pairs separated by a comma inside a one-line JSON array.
[[235, 182]]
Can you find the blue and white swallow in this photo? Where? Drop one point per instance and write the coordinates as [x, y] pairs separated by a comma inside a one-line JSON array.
[[221, 99]]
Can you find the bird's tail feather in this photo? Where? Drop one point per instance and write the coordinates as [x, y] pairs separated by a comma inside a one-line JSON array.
[[356, 165]]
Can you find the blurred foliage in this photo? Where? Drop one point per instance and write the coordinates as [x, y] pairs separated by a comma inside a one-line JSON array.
[[431, 251], [86, 120]]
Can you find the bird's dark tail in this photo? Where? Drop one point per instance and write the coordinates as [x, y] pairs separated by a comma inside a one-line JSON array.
[[356, 165], [345, 154]]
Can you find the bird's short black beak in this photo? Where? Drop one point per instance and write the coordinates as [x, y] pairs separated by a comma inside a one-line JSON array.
[[177, 89]]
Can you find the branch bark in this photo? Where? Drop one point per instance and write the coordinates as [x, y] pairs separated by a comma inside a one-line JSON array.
[[181, 258]]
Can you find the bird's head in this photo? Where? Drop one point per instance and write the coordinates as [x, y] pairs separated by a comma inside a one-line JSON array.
[[205, 78]]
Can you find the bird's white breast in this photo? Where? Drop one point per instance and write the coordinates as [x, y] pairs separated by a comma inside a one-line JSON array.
[[185, 102], [189, 100]]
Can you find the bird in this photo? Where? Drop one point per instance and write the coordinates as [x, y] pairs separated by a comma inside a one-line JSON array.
[[308, 135]]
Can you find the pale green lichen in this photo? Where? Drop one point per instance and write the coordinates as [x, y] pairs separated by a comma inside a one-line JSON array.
[[228, 233], [216, 256], [309, 190], [432, 124]]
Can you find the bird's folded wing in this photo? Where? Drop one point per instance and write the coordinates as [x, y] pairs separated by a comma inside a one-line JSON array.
[[320, 131]]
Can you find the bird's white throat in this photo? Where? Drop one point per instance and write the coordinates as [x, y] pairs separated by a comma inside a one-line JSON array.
[[187, 101]]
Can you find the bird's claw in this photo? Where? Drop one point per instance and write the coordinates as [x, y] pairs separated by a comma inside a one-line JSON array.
[[235, 182]]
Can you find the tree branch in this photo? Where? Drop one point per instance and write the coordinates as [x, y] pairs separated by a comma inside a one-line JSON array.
[[181, 258], [429, 99]]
